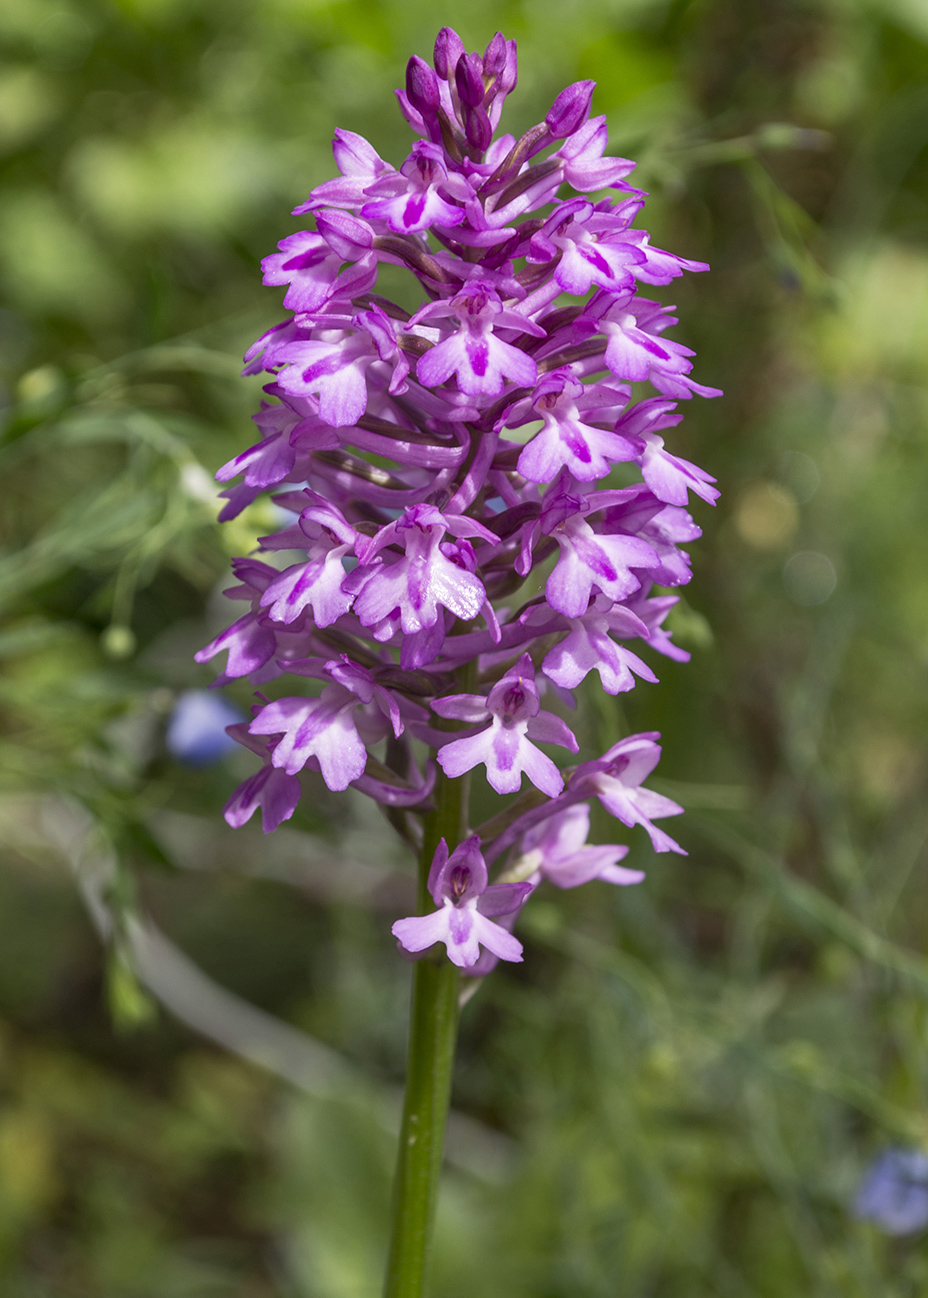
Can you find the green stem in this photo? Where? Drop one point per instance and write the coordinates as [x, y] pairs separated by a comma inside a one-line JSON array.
[[432, 1035]]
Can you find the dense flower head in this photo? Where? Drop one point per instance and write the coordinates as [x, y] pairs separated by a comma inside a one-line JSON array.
[[483, 481]]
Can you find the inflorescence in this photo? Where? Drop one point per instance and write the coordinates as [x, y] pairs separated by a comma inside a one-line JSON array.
[[442, 471]]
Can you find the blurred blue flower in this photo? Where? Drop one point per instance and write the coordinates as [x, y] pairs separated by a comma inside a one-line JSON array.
[[196, 733], [894, 1193]]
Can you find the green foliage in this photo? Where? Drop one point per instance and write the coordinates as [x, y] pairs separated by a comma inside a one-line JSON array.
[[676, 1094]]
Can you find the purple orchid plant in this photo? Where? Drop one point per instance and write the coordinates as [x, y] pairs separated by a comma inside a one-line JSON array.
[[460, 549]]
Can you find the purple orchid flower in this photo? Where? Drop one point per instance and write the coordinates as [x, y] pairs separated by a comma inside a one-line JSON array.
[[271, 789], [564, 440], [589, 647], [616, 780], [479, 359], [422, 580], [326, 728], [588, 560], [466, 908], [419, 195], [446, 475], [505, 746], [557, 850]]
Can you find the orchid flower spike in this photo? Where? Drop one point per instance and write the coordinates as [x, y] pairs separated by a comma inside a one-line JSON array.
[[447, 478]]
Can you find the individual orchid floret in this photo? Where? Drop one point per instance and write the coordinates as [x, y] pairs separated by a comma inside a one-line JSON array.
[[424, 579], [417, 197], [654, 612], [632, 326], [316, 585], [467, 906], [581, 163], [270, 788], [633, 351], [361, 166], [505, 746], [326, 728], [616, 780], [273, 459], [250, 641], [588, 561], [658, 266], [672, 478], [564, 440], [588, 647], [557, 850], [594, 247], [335, 369], [479, 359], [310, 267]]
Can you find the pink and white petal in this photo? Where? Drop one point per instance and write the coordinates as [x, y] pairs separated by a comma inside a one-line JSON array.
[[496, 939], [503, 898], [544, 456], [455, 588], [462, 942], [462, 755], [275, 792], [462, 707], [569, 585], [438, 364], [505, 757], [655, 805], [343, 397], [546, 728], [541, 770], [621, 875], [631, 354], [639, 754], [419, 932], [515, 364], [569, 662], [341, 755]]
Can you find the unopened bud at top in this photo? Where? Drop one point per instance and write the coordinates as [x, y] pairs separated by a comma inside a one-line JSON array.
[[422, 85], [500, 61], [468, 77], [494, 56], [571, 109], [448, 49], [509, 73]]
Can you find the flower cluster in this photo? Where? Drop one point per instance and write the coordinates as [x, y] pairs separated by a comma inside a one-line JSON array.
[[449, 479]]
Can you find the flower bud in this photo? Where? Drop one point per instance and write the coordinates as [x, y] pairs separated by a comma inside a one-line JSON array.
[[344, 234], [494, 57], [509, 73], [448, 49], [570, 110], [478, 129], [469, 80], [422, 85]]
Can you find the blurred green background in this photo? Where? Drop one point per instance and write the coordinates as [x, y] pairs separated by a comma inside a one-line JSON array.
[[677, 1094]]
